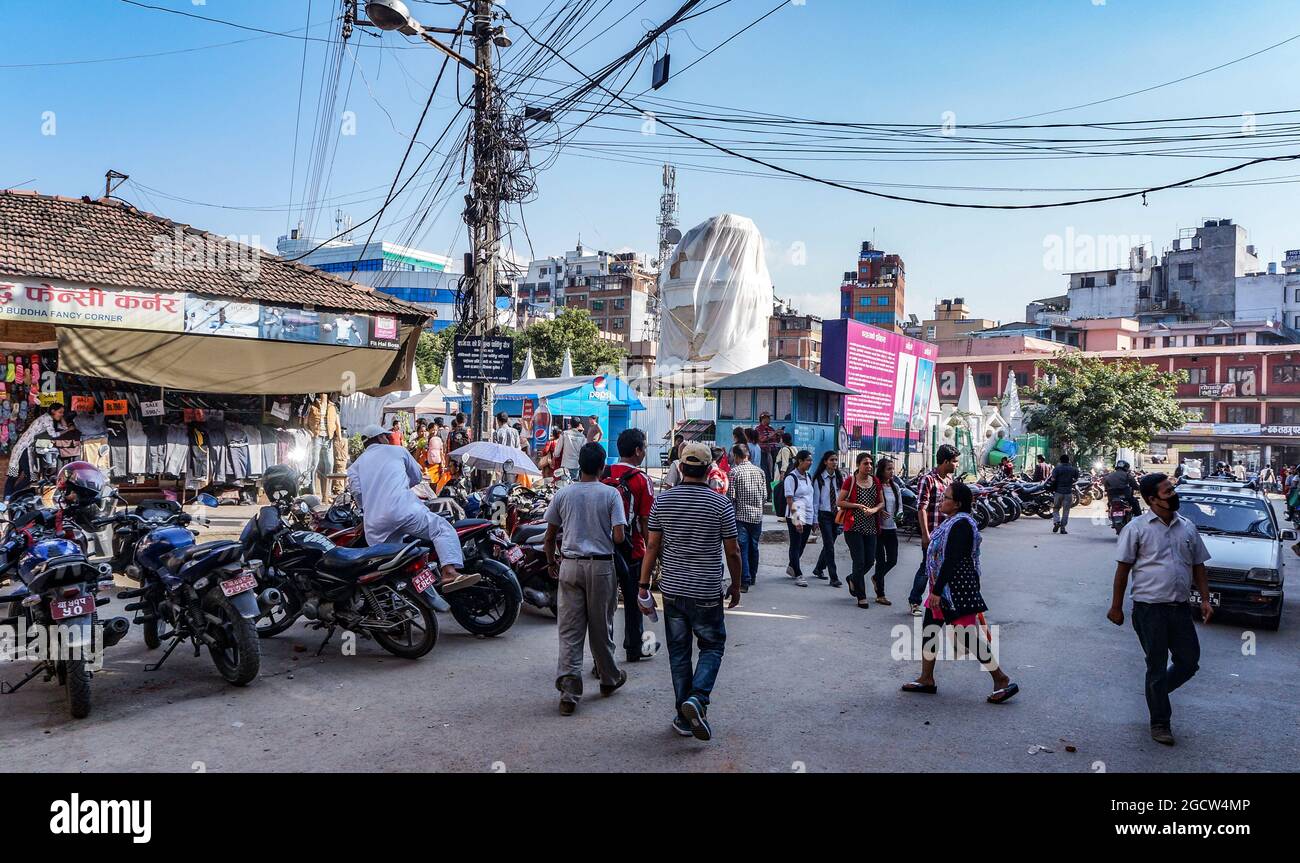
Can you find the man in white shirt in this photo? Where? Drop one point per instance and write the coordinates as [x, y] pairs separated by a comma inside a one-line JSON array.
[[381, 480], [505, 434], [571, 443], [1164, 553], [800, 512]]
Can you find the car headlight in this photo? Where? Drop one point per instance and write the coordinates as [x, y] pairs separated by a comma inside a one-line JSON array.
[[1271, 576]]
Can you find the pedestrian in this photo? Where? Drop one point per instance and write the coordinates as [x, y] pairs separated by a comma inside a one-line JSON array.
[[717, 476], [929, 514], [800, 515], [395, 433], [827, 480], [674, 452], [861, 498], [593, 431], [1008, 468], [690, 529], [1164, 554], [435, 457], [458, 436], [571, 444], [769, 441], [633, 487], [756, 454], [891, 490], [1061, 482], [784, 463], [1042, 470], [747, 489], [952, 561], [589, 516]]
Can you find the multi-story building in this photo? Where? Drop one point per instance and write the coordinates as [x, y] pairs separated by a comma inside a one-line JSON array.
[[951, 322], [795, 338], [425, 278], [1271, 295], [1244, 399], [617, 289], [874, 292]]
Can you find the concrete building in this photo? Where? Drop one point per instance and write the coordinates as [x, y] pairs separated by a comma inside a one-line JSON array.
[[951, 322], [617, 290], [1272, 295], [1198, 334], [424, 278], [874, 293], [795, 338]]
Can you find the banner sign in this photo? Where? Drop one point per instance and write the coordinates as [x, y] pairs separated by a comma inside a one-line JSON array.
[[83, 404], [489, 359], [1285, 430], [47, 399], [114, 407], [1218, 391], [893, 374], [67, 304]]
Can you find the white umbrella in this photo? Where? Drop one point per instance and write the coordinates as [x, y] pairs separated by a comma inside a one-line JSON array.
[[486, 455]]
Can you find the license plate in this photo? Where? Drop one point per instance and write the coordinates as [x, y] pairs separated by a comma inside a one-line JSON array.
[[424, 580], [1215, 598], [61, 608], [239, 584], [514, 554]]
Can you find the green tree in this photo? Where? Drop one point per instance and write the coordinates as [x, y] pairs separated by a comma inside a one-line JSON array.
[[573, 329], [1092, 406], [430, 352]]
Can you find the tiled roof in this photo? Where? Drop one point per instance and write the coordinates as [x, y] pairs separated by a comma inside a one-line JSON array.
[[110, 243]]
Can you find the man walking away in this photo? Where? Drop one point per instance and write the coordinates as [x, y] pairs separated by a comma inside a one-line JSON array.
[[1061, 482], [633, 487], [692, 526], [747, 491], [929, 495], [505, 434], [590, 516], [1164, 553]]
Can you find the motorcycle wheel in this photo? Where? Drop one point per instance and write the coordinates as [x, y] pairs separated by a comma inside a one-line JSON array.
[[1045, 510], [151, 629], [282, 616], [1013, 509], [76, 683], [997, 514], [413, 645], [1074, 499], [236, 654], [981, 514], [489, 607]]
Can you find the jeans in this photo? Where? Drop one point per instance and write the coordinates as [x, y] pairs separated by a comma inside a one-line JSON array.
[[829, 530], [684, 617], [798, 541], [886, 558], [748, 534], [1061, 502], [918, 583], [628, 572], [862, 547], [1166, 630]]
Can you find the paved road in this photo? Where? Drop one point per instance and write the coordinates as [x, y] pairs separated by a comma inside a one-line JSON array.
[[808, 682]]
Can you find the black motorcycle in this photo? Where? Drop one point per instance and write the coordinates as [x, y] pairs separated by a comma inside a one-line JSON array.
[[200, 593]]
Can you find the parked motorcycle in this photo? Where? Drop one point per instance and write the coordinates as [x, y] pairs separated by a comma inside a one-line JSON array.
[[200, 593]]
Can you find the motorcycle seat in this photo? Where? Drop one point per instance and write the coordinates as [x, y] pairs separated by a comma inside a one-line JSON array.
[[195, 559], [526, 533], [357, 560]]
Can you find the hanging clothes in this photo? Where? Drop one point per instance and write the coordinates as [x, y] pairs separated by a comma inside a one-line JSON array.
[[137, 447]]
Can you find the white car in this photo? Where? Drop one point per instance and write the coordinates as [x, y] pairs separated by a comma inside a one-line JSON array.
[[1244, 538]]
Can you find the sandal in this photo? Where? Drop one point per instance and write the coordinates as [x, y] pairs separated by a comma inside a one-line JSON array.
[[862, 603], [1003, 694], [923, 688], [880, 600]]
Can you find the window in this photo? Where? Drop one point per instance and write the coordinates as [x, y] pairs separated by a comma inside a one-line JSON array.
[[1297, 295], [984, 379], [744, 399], [1185, 272], [1087, 282], [865, 301], [808, 406], [1241, 374], [620, 304], [882, 301], [544, 270], [766, 402], [1022, 379], [1148, 342], [929, 333], [784, 402], [598, 305], [1286, 374], [1287, 416], [618, 323], [1242, 414], [579, 270], [1198, 375], [1197, 414], [727, 404]]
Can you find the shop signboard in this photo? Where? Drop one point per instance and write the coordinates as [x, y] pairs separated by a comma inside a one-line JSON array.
[[47, 399], [1218, 391], [1281, 430], [83, 404], [213, 316], [84, 306], [1236, 428], [893, 374], [115, 407], [488, 359], [151, 409]]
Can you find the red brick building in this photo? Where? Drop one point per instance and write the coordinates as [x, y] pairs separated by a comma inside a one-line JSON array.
[[1246, 398], [874, 292]]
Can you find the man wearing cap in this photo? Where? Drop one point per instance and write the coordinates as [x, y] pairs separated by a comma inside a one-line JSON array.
[[381, 480], [692, 526], [769, 441]]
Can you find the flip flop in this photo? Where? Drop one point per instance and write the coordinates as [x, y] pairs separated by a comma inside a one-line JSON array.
[[923, 688], [1003, 694]]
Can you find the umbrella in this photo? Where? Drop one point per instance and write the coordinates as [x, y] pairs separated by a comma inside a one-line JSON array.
[[486, 455]]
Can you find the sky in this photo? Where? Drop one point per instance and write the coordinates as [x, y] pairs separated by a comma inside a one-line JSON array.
[[208, 136]]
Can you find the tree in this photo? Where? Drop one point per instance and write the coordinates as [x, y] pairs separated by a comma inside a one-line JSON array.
[[1091, 405], [430, 353], [573, 329]]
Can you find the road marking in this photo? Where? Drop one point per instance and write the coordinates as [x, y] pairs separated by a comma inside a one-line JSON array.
[[766, 614]]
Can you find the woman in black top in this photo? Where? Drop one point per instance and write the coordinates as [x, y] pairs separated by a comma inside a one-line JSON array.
[[860, 498], [952, 564]]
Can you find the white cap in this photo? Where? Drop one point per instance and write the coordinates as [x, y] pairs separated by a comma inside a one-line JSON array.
[[373, 431]]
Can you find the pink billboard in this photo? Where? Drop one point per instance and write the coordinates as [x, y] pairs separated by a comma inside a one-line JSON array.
[[892, 373]]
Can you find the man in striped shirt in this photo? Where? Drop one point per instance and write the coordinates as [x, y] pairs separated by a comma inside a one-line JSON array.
[[691, 526], [747, 490]]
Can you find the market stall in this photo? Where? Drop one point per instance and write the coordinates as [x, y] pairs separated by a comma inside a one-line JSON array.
[[184, 360]]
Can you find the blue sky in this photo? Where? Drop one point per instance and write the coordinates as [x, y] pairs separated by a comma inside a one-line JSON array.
[[216, 126]]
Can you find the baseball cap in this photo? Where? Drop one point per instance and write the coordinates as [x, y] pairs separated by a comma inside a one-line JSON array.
[[696, 453], [372, 431]]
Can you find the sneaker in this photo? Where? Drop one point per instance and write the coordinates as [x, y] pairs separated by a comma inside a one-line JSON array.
[[693, 710], [915, 610], [835, 582], [820, 575], [880, 600], [1064, 531], [682, 727], [608, 689], [744, 588], [1162, 734], [789, 570], [800, 581], [1055, 527], [862, 603]]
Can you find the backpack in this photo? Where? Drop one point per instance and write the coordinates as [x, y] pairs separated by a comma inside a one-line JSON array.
[[623, 485], [457, 438]]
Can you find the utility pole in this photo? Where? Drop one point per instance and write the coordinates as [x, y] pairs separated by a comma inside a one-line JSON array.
[[482, 215]]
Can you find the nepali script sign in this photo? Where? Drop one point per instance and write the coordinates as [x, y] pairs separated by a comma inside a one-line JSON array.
[[83, 306]]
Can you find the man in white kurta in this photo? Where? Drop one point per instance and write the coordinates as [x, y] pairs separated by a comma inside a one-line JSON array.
[[381, 480]]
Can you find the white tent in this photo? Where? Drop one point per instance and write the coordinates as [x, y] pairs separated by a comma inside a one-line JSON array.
[[1011, 410], [448, 382], [566, 370], [528, 373]]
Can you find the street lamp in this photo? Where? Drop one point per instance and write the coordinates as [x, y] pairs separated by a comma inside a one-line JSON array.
[[392, 15]]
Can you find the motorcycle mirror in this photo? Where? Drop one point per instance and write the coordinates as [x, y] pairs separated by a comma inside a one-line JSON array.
[[208, 500]]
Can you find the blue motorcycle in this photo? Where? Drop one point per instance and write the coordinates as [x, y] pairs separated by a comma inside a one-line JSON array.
[[201, 593]]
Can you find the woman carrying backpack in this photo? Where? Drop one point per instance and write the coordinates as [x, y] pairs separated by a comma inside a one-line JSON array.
[[827, 480]]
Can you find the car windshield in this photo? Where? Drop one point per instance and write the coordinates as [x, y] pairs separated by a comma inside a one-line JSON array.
[[1213, 514]]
